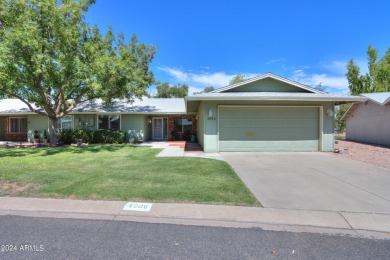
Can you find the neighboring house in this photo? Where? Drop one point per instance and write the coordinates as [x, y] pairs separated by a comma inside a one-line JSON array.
[[265, 113], [369, 122]]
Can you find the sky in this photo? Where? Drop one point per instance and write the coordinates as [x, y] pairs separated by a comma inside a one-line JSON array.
[[205, 43]]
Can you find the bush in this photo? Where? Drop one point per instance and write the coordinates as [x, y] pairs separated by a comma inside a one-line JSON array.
[[103, 136]]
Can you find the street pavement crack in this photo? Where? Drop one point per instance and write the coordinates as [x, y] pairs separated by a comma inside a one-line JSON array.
[[345, 220]]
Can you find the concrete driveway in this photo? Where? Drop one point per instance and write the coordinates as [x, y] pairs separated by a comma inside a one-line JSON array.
[[316, 181]]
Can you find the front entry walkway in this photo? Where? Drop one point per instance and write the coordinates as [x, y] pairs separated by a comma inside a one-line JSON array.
[[181, 149]]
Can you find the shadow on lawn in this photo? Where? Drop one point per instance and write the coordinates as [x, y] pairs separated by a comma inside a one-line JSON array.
[[47, 151]]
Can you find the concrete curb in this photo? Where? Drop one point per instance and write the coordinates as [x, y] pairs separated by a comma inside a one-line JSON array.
[[325, 222]]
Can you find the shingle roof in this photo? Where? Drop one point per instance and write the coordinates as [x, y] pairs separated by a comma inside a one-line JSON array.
[[381, 98], [275, 96], [13, 106], [144, 106]]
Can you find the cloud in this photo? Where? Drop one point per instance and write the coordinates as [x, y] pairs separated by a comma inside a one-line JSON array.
[[217, 79], [340, 67], [179, 75], [337, 67], [335, 83], [276, 60], [201, 79], [330, 75]]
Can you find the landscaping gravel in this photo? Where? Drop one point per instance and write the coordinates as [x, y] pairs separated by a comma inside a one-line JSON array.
[[368, 153]]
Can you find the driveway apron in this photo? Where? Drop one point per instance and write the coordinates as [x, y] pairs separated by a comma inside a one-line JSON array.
[[315, 181]]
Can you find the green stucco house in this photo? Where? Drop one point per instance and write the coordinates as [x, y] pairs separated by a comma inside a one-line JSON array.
[[265, 113]]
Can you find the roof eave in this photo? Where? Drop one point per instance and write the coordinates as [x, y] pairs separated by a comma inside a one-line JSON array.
[[100, 113], [347, 113], [334, 99], [17, 113]]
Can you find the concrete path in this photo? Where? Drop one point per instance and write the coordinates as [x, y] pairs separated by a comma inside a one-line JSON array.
[[343, 223], [313, 181], [176, 149]]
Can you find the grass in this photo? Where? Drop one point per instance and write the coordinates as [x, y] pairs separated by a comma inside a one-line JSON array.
[[340, 136], [119, 172]]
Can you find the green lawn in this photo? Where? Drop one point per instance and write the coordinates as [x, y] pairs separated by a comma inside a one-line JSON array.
[[118, 172]]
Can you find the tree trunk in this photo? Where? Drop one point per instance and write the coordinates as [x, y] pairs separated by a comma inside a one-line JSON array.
[[53, 131]]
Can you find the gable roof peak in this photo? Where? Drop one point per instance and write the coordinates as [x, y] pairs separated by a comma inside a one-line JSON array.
[[268, 75]]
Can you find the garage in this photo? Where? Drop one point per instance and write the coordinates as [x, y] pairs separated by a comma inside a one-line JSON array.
[[264, 128]]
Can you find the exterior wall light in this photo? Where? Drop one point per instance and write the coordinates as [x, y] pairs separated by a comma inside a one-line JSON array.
[[329, 112]]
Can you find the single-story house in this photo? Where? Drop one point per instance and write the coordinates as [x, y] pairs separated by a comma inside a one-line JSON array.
[[146, 119], [264, 113], [369, 121]]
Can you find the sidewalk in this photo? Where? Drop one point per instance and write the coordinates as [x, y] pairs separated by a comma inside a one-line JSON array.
[[326, 222]]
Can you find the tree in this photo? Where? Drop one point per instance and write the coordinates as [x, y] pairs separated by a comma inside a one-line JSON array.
[[340, 111], [237, 79], [320, 87], [208, 89], [378, 77], [164, 90], [205, 90], [51, 57]]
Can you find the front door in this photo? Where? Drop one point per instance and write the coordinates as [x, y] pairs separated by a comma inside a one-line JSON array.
[[160, 128]]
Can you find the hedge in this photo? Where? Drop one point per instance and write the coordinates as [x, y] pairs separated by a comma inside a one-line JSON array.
[[103, 136]]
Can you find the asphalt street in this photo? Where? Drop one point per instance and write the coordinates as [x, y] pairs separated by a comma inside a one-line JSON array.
[[51, 238]]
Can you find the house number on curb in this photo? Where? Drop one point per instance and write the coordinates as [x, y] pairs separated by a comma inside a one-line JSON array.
[[138, 206]]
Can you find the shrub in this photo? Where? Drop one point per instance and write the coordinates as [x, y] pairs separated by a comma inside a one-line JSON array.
[[104, 136]]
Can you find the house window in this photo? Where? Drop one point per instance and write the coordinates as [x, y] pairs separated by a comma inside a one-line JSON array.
[[18, 125], [112, 122], [183, 125], [66, 122]]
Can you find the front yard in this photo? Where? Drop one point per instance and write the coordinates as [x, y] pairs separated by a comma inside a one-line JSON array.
[[119, 172]]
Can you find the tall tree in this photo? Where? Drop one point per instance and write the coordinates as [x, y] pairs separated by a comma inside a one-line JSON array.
[[340, 111], [164, 90], [51, 57], [237, 79], [378, 77], [205, 90]]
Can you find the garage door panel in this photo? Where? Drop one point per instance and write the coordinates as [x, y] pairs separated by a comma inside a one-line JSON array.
[[268, 129], [280, 146]]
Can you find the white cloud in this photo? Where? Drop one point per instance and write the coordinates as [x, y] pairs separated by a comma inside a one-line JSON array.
[[179, 75], [335, 83], [340, 67], [337, 67], [201, 79], [276, 60], [217, 79], [331, 76]]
